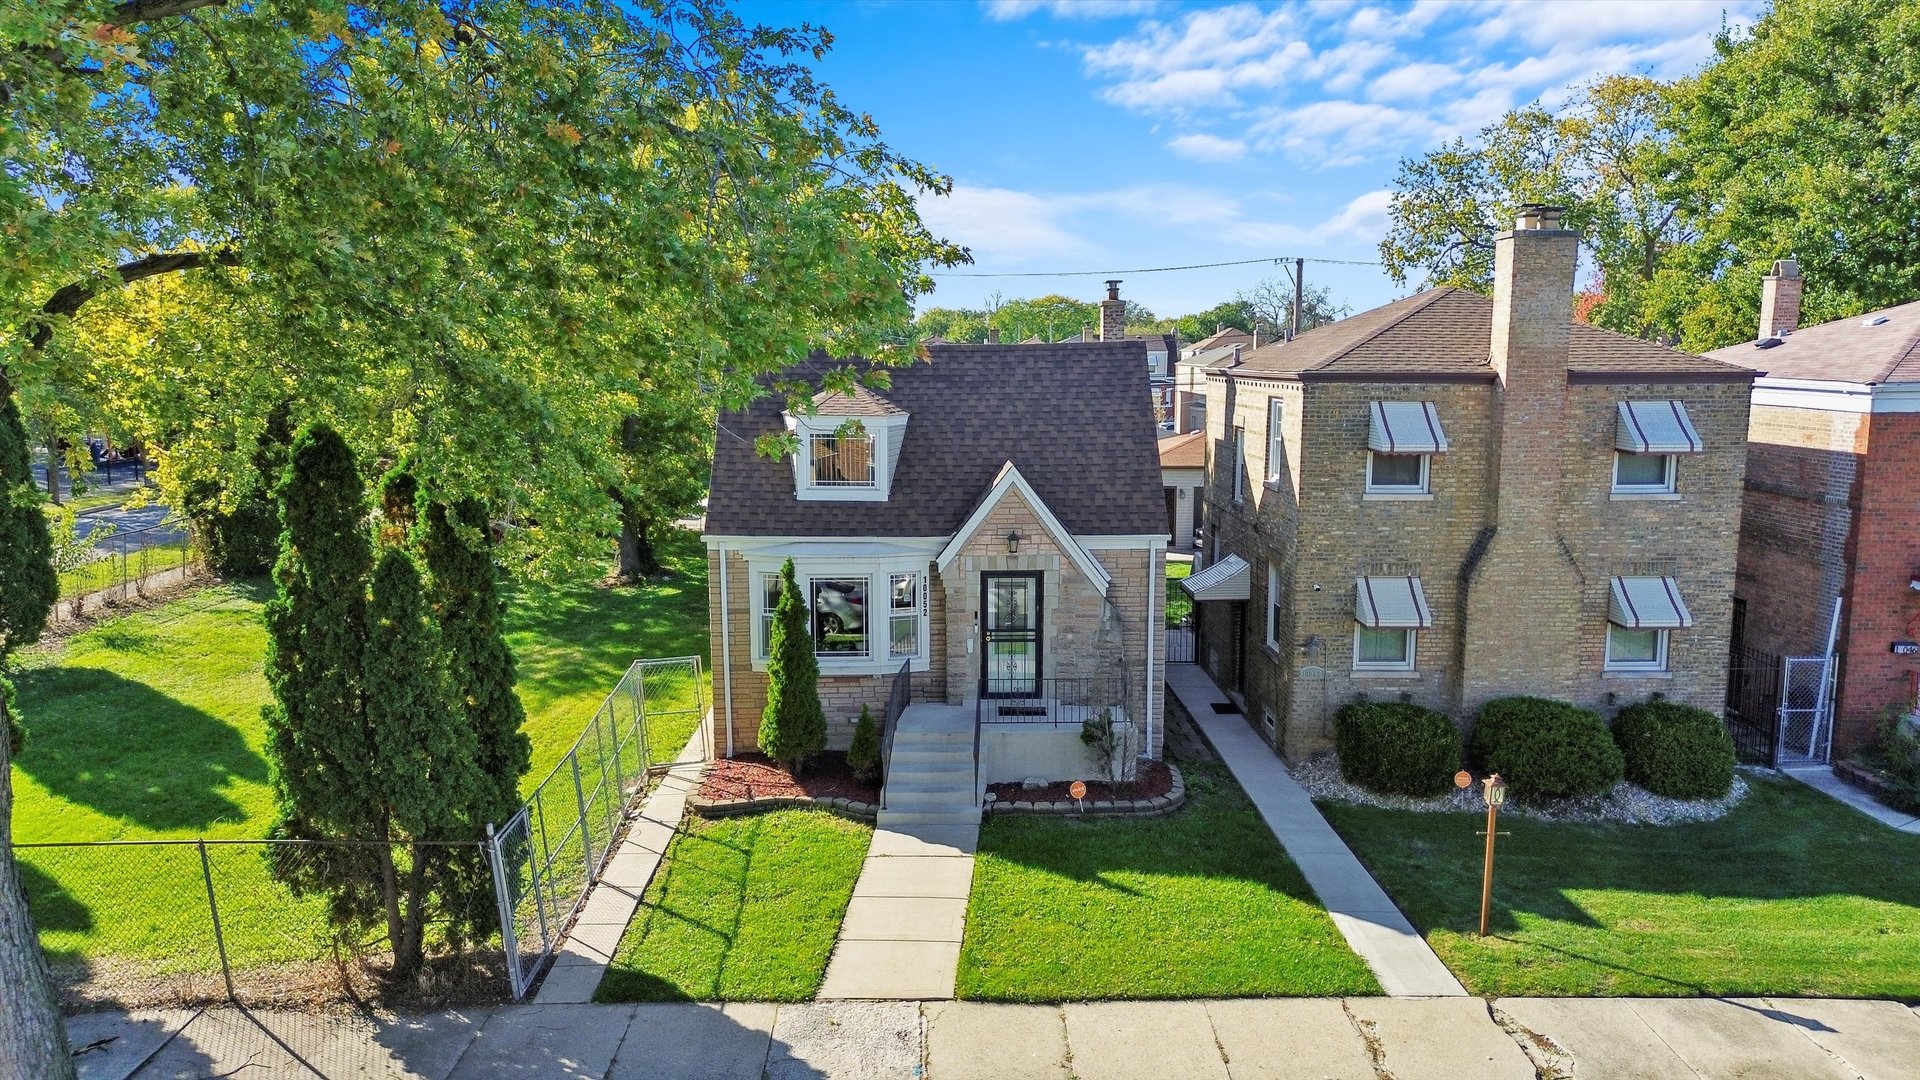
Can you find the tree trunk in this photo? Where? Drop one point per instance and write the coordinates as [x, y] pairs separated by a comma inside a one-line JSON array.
[[390, 896], [408, 954], [53, 468], [32, 1040], [637, 558]]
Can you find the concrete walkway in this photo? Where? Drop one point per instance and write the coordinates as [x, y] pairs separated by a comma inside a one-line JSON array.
[[589, 946], [1821, 779], [901, 937], [1374, 928], [1350, 1039]]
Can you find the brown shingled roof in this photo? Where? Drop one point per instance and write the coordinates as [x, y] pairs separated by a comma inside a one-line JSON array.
[[862, 402], [1078, 424], [1187, 451], [1448, 332], [1845, 350], [1220, 338]]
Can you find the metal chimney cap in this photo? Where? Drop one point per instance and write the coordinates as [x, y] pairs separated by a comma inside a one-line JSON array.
[[1113, 288]]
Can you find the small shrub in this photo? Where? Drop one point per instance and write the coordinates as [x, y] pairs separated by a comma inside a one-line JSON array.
[[1546, 749], [1396, 748], [863, 757], [1675, 750], [1895, 756]]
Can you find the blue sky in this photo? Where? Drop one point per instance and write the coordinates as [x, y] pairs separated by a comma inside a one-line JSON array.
[[1116, 134]]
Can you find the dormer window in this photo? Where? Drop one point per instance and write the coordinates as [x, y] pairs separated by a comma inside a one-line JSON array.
[[842, 460], [848, 447]]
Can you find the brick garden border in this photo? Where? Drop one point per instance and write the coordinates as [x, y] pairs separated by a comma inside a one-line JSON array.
[[851, 809], [1173, 800]]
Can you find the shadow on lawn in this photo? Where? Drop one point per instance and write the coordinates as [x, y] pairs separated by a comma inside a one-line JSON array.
[[131, 752], [574, 639]]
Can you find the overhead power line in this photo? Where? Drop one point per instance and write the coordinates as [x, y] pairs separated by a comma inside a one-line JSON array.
[[1274, 261]]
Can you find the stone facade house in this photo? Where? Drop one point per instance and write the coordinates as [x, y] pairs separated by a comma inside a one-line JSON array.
[[1832, 506], [1450, 499], [991, 522]]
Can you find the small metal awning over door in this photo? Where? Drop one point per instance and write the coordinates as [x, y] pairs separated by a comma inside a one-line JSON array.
[[1647, 603], [1391, 603], [1405, 427], [1228, 579], [1655, 427]]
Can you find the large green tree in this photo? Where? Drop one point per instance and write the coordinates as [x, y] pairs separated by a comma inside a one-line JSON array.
[[472, 231]]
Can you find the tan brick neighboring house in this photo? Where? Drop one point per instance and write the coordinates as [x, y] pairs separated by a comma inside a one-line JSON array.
[[1832, 511], [1004, 503], [1450, 499]]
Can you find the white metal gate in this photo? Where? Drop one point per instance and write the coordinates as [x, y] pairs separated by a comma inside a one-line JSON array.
[[1806, 710]]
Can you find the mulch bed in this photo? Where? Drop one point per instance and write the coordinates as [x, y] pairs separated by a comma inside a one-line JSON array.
[[755, 776], [1154, 779]]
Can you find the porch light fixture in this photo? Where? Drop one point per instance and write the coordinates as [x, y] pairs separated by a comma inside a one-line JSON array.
[[1013, 542]]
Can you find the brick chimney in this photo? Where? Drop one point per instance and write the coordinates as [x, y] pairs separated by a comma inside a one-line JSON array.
[[1113, 314], [1780, 300], [1521, 587]]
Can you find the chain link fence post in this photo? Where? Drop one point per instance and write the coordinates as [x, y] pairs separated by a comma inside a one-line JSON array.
[[213, 909], [586, 834], [503, 901]]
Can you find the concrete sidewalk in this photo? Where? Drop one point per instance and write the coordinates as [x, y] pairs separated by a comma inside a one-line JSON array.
[[1374, 928], [1351, 1039], [1820, 778]]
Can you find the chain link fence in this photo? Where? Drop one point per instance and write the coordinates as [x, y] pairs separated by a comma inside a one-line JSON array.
[[547, 856], [193, 922], [126, 565]]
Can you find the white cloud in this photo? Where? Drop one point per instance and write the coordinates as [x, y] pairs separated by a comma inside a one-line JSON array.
[[1200, 146], [1010, 10], [1004, 225]]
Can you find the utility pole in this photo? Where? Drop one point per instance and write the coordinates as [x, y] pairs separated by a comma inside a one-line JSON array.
[[1299, 295]]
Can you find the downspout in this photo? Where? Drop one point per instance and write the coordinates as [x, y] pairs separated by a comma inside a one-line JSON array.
[[726, 646], [1152, 591]]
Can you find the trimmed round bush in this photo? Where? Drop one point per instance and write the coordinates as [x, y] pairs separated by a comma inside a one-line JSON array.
[[1396, 748], [1546, 749], [1676, 750]]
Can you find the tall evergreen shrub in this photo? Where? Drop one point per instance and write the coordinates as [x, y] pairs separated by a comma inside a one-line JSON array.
[[793, 726]]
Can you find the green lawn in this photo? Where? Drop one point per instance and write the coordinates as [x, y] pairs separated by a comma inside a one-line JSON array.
[[1791, 893], [148, 727], [1179, 604], [743, 909], [1200, 903]]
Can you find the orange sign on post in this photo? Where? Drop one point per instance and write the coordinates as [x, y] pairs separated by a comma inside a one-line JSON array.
[[1077, 789]]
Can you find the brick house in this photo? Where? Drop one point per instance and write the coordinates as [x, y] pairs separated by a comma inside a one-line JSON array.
[[1450, 499], [1833, 468], [995, 524]]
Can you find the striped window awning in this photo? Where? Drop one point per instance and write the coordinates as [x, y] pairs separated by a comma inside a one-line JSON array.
[[1647, 603], [1656, 427], [1391, 603], [1228, 579], [1405, 427]]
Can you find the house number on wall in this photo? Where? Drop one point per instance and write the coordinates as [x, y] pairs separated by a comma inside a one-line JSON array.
[[1906, 648]]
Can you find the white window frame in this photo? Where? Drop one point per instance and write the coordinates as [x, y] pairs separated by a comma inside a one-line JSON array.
[[1424, 487], [1276, 438], [1406, 663], [873, 462], [879, 658], [914, 612], [1273, 593], [1657, 664], [1665, 487], [1237, 442]]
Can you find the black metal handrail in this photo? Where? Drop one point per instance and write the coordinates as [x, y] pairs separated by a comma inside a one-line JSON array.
[[898, 698], [1057, 702]]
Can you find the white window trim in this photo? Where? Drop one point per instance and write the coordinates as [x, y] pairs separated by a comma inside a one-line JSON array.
[[1407, 664], [1423, 488], [1273, 589], [880, 429], [1665, 487], [1655, 666], [873, 461], [1237, 443], [1276, 438], [878, 659]]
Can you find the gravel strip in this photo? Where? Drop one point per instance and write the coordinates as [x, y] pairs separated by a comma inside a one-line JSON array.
[[1626, 804]]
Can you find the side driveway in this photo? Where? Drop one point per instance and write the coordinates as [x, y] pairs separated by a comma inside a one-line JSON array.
[[1352, 1038]]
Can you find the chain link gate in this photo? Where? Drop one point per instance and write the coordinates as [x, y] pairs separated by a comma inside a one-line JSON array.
[[1805, 731]]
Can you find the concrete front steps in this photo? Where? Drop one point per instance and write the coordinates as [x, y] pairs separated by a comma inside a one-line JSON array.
[[901, 937]]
